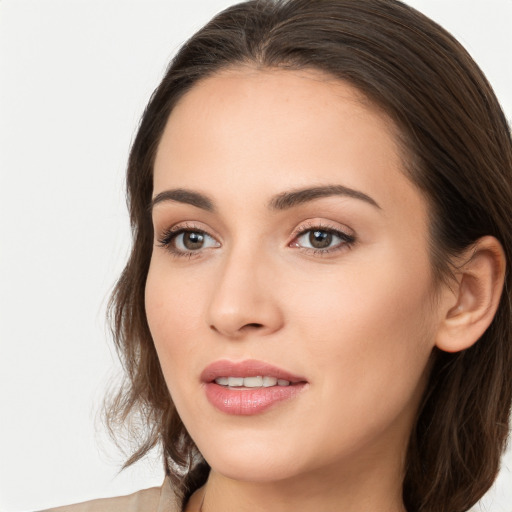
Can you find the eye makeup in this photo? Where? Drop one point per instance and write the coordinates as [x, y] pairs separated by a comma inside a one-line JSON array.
[[317, 238], [314, 237], [186, 240]]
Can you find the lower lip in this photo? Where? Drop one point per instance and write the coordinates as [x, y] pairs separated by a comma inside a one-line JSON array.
[[246, 402]]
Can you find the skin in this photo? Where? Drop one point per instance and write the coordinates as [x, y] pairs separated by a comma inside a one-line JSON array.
[[359, 321]]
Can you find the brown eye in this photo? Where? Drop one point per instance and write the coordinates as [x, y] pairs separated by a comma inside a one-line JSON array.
[[323, 240], [186, 241], [320, 239], [193, 240]]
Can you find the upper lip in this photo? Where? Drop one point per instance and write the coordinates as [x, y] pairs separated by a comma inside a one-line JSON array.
[[246, 368]]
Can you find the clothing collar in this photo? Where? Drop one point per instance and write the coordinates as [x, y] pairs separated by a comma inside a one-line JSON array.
[[169, 502]]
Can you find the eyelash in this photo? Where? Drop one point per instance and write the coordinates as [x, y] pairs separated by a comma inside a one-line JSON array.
[[168, 237], [346, 240]]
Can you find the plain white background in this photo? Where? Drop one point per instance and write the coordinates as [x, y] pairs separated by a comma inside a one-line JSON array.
[[75, 76]]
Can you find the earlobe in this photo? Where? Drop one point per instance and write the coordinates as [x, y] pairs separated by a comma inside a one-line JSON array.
[[479, 286]]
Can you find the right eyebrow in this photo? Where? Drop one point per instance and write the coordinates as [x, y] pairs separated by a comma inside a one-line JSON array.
[[181, 195]]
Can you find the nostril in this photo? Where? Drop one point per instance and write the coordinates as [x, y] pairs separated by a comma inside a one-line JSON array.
[[253, 326], [238, 331], [246, 327]]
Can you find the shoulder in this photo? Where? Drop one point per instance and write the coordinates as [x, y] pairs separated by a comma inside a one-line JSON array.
[[156, 499]]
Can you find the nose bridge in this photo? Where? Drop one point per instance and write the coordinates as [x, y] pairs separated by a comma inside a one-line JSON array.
[[243, 298]]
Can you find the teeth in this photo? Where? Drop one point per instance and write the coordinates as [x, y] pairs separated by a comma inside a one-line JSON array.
[[269, 381], [235, 382], [251, 382]]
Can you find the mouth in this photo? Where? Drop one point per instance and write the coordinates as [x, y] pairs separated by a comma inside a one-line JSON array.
[[249, 387], [251, 382]]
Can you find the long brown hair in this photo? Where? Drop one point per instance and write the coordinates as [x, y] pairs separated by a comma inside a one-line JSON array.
[[458, 152]]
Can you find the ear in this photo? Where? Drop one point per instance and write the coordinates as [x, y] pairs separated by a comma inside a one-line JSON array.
[[475, 297]]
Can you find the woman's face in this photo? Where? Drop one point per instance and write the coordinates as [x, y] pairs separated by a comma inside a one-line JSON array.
[[289, 245]]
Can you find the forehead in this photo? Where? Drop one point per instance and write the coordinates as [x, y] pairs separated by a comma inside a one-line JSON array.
[[265, 130]]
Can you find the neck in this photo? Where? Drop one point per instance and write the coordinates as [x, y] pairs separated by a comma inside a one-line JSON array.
[[372, 489]]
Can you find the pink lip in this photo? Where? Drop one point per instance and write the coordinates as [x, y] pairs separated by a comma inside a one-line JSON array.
[[248, 401], [247, 368]]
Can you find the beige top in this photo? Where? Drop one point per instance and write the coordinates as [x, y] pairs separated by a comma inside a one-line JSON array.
[[156, 499]]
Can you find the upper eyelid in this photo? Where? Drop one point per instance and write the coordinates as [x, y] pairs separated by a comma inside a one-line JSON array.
[[322, 225], [320, 228], [303, 227], [186, 226]]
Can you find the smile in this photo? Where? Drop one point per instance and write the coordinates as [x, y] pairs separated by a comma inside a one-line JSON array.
[[251, 382], [249, 387]]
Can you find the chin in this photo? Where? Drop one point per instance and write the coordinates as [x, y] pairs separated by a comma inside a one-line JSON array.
[[261, 470], [254, 460]]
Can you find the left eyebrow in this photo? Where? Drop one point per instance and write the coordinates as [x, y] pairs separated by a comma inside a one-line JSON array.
[[293, 198]]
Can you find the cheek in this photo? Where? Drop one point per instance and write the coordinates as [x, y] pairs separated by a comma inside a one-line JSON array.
[[171, 300], [370, 334]]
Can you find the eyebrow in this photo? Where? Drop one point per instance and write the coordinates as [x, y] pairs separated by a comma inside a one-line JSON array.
[[181, 195], [295, 197], [283, 201]]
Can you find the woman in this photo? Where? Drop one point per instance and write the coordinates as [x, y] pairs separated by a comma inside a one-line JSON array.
[[316, 311]]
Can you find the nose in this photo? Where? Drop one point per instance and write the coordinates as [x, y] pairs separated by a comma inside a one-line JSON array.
[[245, 298]]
